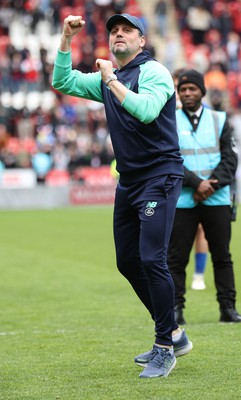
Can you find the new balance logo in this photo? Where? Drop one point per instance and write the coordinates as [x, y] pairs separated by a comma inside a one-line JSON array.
[[151, 204]]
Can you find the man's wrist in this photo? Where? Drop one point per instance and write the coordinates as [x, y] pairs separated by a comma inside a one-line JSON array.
[[111, 78], [65, 43]]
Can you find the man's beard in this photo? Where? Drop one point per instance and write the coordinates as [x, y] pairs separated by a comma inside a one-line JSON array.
[[120, 52]]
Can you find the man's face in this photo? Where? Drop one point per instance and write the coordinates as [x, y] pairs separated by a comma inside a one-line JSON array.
[[190, 96], [125, 40]]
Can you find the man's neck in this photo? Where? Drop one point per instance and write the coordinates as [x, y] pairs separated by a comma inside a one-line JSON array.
[[196, 112], [123, 60]]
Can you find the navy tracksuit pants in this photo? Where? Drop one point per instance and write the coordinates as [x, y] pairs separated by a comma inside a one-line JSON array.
[[143, 219]]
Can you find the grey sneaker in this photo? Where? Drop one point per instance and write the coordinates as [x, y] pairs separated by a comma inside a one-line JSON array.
[[161, 364], [181, 347]]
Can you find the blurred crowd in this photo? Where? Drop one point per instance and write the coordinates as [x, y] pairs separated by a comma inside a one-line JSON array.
[[211, 37], [43, 129], [39, 127], [211, 33]]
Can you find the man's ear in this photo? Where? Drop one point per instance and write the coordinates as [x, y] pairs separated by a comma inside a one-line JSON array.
[[143, 41]]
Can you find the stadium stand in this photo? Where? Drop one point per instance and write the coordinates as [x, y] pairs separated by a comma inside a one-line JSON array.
[[36, 119]]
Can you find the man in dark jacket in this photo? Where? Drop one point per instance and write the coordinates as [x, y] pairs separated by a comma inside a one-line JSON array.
[[210, 163], [139, 100]]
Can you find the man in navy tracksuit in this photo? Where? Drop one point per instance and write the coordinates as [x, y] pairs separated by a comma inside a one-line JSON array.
[[139, 100]]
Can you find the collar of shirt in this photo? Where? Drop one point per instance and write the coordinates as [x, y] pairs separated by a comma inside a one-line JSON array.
[[197, 113]]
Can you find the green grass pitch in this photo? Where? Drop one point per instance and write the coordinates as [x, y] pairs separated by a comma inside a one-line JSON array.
[[71, 326]]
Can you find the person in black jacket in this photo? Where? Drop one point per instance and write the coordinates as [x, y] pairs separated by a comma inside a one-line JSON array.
[[210, 162]]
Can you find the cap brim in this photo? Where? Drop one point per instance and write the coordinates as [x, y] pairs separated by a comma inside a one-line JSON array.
[[112, 21]]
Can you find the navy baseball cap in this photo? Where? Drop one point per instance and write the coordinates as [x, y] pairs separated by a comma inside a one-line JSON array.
[[125, 17]]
